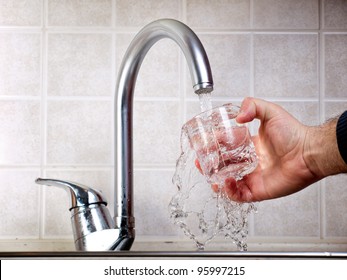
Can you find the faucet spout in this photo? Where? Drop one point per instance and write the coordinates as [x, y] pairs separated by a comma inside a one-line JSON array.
[[202, 82]]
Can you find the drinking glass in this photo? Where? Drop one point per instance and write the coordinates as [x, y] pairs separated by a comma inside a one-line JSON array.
[[223, 147]]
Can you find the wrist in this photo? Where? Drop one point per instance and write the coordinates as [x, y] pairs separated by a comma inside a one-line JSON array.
[[321, 151]]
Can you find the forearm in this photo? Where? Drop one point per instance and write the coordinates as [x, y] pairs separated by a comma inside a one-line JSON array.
[[324, 147]]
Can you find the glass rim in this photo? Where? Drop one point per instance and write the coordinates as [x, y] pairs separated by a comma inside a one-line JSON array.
[[200, 115]]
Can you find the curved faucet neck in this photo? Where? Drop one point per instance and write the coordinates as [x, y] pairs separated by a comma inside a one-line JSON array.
[[202, 83]]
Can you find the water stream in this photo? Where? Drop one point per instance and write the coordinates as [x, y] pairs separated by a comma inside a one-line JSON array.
[[199, 211]]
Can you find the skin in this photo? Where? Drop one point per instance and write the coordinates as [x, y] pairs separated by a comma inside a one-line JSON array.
[[291, 155]]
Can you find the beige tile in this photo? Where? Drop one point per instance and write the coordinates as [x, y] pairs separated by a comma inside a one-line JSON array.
[[139, 13], [334, 109], [335, 65], [292, 216], [156, 132], [57, 201], [336, 207], [306, 112], [57, 220], [192, 109], [293, 14], [222, 14], [20, 59], [80, 65], [159, 72], [80, 13], [335, 14], [79, 132], [20, 132], [20, 202], [153, 191], [286, 65], [229, 57], [20, 13]]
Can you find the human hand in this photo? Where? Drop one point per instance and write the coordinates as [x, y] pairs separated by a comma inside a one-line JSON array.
[[280, 146]]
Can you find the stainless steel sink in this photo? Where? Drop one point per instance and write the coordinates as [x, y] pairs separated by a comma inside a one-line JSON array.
[[172, 255]]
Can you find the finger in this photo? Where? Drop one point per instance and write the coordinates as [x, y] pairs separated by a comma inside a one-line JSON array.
[[230, 188], [215, 188], [198, 166], [237, 190], [255, 108], [247, 111]]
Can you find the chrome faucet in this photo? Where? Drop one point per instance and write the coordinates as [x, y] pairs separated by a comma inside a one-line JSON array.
[[93, 228]]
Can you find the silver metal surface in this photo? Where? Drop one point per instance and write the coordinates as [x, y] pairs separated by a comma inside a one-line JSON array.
[[202, 82], [80, 195], [174, 255], [92, 224], [93, 228]]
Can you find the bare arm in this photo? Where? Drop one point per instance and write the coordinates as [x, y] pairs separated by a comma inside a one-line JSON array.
[[322, 152]]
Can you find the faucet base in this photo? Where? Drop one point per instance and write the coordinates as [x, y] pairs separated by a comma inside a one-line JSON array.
[[97, 241], [123, 244]]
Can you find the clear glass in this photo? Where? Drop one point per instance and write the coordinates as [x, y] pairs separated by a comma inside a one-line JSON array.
[[223, 147]]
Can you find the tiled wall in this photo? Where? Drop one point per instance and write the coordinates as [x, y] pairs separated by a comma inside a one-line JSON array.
[[58, 66]]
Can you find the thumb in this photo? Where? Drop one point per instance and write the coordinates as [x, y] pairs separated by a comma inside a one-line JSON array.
[[255, 108]]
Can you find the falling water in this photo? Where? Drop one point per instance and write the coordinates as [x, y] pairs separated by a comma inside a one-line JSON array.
[[205, 102], [201, 213]]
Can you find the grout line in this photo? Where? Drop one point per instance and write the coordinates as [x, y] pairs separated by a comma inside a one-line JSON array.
[[272, 99], [76, 166], [20, 97], [252, 217], [43, 118], [321, 95], [76, 30], [158, 168], [322, 212], [71, 167], [321, 60], [252, 67], [113, 94], [297, 239], [135, 29], [321, 21], [337, 99], [259, 31], [251, 14], [21, 29], [164, 98], [341, 32], [45, 14], [113, 14], [183, 72], [181, 88], [79, 98], [22, 167], [321, 78], [183, 10]]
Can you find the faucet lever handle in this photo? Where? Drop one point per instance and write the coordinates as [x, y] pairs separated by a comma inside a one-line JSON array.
[[90, 217], [80, 195]]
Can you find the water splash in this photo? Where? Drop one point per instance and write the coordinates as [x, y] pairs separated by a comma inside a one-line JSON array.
[[200, 212]]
